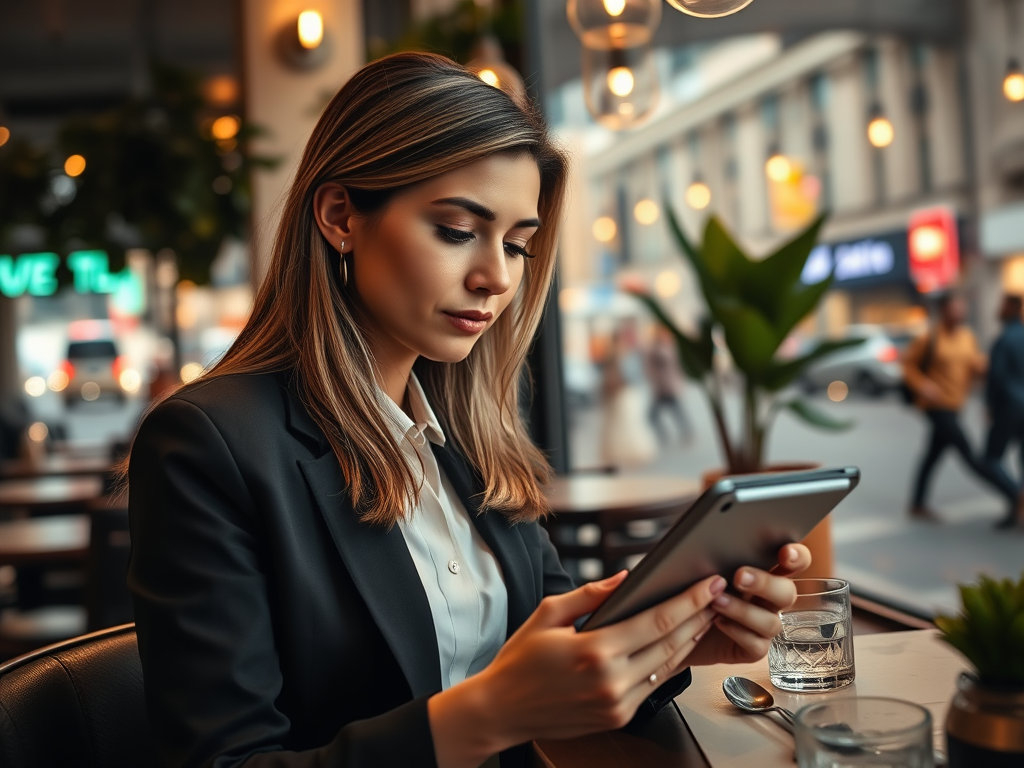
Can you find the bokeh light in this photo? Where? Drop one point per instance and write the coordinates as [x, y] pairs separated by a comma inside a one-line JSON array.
[[698, 196], [311, 29], [38, 432], [880, 132], [58, 381], [130, 380], [667, 284], [5, 134], [646, 211], [778, 168], [1013, 85], [225, 127], [35, 386], [74, 165], [604, 229], [621, 81], [190, 372], [837, 391]]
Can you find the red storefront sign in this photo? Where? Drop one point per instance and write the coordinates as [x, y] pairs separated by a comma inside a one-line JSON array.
[[934, 249]]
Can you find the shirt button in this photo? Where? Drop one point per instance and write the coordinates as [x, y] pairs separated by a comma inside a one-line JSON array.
[[453, 566]]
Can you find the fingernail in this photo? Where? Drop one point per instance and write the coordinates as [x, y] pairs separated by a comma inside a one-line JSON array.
[[745, 579], [793, 556], [721, 601], [718, 585]]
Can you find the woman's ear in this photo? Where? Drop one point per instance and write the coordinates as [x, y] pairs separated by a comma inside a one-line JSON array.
[[333, 210]]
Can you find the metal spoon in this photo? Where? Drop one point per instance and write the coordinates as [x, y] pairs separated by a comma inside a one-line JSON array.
[[751, 697]]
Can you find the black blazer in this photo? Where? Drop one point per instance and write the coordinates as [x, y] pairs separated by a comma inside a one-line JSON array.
[[274, 627]]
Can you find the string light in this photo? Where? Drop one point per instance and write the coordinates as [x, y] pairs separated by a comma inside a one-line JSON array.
[[698, 196], [646, 211], [605, 229], [880, 132]]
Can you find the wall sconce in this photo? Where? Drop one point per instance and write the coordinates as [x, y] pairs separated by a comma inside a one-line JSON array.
[[302, 43]]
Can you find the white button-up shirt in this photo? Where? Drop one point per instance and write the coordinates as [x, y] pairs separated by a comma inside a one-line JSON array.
[[460, 575]]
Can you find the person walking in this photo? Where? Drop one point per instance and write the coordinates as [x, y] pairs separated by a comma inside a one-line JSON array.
[[940, 368], [666, 386], [1004, 396]]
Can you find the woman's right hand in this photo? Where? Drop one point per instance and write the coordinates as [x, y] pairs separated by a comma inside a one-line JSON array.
[[550, 681]]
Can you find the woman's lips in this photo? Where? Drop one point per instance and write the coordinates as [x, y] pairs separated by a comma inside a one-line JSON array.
[[469, 322]]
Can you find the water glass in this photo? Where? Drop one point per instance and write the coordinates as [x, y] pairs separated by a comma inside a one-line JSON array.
[[859, 731], [814, 651]]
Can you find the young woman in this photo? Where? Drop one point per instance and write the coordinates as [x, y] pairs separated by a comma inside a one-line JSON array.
[[336, 556]]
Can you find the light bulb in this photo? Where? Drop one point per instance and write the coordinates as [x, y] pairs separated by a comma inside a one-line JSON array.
[[646, 211], [607, 24], [1013, 83], [698, 196], [778, 168], [709, 9], [74, 165], [621, 81], [488, 76], [604, 229], [880, 132], [311, 29]]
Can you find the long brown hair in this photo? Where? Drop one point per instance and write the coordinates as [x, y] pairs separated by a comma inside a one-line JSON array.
[[398, 121]]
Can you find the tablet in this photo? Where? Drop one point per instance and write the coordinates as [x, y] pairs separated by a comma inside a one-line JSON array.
[[738, 521]]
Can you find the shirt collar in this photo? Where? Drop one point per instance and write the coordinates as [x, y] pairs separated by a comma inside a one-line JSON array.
[[425, 423]]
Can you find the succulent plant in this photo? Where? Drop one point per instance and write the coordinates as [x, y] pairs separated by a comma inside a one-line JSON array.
[[989, 630]]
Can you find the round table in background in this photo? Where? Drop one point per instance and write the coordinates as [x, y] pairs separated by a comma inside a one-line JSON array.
[[54, 464], [611, 518], [42, 494], [40, 540]]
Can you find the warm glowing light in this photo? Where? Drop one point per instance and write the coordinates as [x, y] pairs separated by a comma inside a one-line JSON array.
[[837, 391], [489, 76], [571, 300], [5, 134], [615, 7], [35, 386], [709, 9], [225, 127], [778, 168], [621, 81], [698, 196], [58, 381], [90, 391], [646, 211], [605, 229], [190, 372], [311, 29], [1013, 86], [74, 165], [38, 432], [667, 284], [880, 132], [130, 380], [927, 242], [221, 90]]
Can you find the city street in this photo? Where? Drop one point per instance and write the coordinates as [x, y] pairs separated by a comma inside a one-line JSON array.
[[911, 565]]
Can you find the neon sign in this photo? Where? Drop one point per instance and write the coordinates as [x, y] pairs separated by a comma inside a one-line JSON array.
[[35, 274]]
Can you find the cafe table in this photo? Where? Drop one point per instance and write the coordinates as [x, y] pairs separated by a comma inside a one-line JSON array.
[[43, 494], [41, 540], [54, 464], [707, 731]]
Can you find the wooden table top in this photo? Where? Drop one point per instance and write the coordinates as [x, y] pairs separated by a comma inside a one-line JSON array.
[[54, 464], [38, 539], [596, 493], [42, 492]]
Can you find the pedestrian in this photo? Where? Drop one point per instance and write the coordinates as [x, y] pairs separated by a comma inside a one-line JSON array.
[[666, 386], [626, 439], [940, 368], [1004, 396]]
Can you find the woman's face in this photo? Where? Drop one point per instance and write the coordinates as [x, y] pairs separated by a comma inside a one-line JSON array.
[[444, 259]]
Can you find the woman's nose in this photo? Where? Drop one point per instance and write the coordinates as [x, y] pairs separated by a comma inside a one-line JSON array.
[[489, 272]]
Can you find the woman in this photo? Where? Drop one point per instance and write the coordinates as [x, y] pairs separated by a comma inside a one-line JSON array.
[[336, 561]]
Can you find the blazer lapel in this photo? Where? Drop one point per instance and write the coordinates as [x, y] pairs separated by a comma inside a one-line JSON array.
[[504, 539], [382, 569]]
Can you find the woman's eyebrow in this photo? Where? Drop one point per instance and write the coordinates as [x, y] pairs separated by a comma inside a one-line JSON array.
[[482, 211]]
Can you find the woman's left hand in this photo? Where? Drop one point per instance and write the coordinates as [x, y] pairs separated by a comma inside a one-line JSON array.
[[746, 624]]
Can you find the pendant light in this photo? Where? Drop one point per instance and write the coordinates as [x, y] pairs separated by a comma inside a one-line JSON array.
[[709, 9], [488, 63], [1013, 83], [620, 85], [607, 24]]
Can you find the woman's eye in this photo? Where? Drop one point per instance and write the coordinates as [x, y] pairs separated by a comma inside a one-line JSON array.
[[518, 250], [454, 235]]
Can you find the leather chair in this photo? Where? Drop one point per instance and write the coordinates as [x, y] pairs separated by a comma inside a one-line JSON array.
[[77, 703]]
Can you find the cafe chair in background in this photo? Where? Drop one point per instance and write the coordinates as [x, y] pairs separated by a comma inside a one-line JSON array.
[[78, 703], [107, 599]]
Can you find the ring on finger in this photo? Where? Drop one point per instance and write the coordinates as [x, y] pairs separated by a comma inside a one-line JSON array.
[[653, 679]]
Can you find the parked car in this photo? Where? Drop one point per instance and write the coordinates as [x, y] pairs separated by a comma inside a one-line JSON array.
[[93, 369], [872, 367]]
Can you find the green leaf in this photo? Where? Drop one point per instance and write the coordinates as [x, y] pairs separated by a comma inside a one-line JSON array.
[[799, 305], [726, 264], [695, 355], [817, 418], [750, 337], [778, 275], [782, 374]]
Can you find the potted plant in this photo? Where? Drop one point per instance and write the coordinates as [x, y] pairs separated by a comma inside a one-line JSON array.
[[985, 724], [755, 304]]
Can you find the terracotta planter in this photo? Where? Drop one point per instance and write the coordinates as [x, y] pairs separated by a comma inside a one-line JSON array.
[[985, 726], [819, 540]]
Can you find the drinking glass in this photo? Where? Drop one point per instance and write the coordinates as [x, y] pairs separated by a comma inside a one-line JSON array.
[[814, 651], [859, 731]]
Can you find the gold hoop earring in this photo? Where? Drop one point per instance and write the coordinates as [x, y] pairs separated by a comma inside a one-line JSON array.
[[344, 264]]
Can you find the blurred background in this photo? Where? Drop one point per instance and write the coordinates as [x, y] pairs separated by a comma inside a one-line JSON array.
[[145, 146]]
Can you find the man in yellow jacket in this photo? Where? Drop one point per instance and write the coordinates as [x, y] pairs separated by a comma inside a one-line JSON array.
[[940, 368]]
